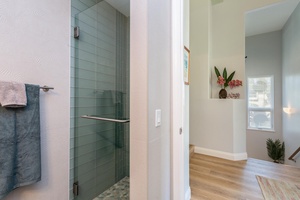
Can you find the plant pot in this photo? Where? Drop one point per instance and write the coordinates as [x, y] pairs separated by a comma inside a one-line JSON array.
[[222, 94]]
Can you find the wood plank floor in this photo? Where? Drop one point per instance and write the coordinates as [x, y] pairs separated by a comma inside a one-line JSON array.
[[217, 179]]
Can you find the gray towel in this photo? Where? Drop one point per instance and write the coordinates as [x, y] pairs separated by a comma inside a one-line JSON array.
[[20, 151], [12, 94]]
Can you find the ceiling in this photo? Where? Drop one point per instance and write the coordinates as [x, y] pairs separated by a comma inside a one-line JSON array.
[[270, 18], [122, 6], [259, 21]]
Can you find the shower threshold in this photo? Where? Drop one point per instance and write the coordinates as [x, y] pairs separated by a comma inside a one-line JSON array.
[[119, 191]]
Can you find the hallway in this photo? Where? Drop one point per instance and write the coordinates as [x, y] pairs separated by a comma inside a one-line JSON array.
[[215, 178]]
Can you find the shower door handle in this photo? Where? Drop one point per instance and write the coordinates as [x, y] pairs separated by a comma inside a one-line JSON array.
[[105, 119]]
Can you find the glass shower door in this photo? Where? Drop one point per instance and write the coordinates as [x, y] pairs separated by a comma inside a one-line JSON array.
[[101, 90]]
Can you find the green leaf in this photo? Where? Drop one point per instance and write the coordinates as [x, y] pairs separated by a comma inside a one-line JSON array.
[[225, 74], [217, 72], [230, 77]]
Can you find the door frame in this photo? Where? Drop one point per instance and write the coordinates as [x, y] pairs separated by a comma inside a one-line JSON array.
[[139, 109], [177, 99]]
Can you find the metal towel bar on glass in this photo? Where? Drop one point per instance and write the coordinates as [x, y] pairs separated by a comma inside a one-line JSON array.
[[105, 119]]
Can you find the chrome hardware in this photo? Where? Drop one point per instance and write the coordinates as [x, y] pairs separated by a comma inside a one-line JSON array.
[[76, 189], [46, 88], [76, 32], [105, 119]]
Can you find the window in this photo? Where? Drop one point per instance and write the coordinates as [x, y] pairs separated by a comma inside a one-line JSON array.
[[260, 94]]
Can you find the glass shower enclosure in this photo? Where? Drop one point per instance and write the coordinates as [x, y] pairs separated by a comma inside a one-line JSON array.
[[100, 102]]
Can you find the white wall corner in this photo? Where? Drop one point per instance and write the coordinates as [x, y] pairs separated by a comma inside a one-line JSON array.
[[188, 194], [222, 154]]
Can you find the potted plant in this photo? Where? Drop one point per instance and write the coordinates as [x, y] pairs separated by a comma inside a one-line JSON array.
[[276, 150], [225, 81]]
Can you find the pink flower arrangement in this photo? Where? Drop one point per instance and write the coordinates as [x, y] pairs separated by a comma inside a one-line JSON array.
[[225, 81], [221, 81], [235, 83]]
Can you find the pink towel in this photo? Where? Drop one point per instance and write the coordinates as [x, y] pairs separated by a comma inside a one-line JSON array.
[[12, 94]]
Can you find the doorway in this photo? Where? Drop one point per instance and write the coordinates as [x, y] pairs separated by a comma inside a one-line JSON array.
[[100, 100]]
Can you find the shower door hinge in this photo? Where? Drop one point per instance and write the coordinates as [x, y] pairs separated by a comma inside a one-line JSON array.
[[75, 188], [76, 32]]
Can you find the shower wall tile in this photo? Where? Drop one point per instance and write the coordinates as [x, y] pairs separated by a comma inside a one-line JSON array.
[[85, 149], [85, 126], [104, 45], [90, 3], [89, 48], [91, 13], [81, 64], [84, 83], [86, 56], [88, 17], [94, 70], [102, 69], [106, 52], [72, 112], [86, 101], [80, 6], [89, 29], [72, 25], [104, 185], [85, 131], [74, 12], [72, 125], [87, 37], [86, 74], [86, 110], [72, 73]]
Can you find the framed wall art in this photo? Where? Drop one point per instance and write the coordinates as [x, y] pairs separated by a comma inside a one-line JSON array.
[[186, 66]]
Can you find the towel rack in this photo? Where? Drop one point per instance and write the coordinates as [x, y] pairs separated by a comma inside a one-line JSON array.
[[46, 88], [105, 119]]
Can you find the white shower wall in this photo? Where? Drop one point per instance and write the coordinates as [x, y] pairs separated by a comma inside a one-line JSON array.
[[35, 49]]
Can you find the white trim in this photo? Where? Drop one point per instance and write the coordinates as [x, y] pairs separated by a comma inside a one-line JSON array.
[[222, 154], [188, 194], [177, 96], [261, 130]]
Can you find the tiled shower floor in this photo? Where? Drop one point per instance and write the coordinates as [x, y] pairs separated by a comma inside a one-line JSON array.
[[119, 191]]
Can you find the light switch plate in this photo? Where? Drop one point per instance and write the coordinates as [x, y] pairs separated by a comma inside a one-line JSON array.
[[157, 118]]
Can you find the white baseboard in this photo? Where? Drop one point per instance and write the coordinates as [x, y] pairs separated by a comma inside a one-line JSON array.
[[188, 194], [221, 154]]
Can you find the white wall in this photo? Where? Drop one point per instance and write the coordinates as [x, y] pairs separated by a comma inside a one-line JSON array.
[[217, 39], [159, 72], [138, 100], [291, 82], [228, 38], [35, 49], [264, 59], [150, 68], [221, 134], [186, 131], [199, 47]]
